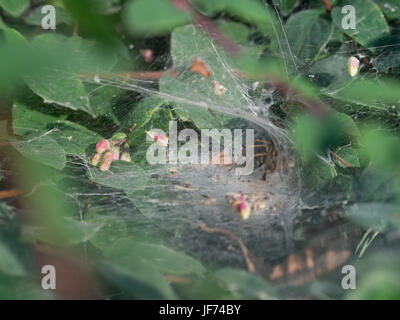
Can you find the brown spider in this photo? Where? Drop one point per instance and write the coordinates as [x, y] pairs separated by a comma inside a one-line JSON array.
[[268, 155]]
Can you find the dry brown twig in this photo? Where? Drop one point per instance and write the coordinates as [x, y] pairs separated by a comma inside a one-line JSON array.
[[207, 25], [176, 279], [313, 106], [10, 193], [348, 165], [327, 5], [250, 264]]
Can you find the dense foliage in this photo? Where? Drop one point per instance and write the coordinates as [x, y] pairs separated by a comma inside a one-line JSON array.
[[116, 69]]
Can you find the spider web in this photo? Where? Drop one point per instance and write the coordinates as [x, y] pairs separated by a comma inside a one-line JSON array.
[[177, 206], [172, 208], [196, 194]]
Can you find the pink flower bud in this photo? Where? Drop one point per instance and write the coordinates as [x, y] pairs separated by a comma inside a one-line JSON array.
[[96, 159], [102, 146], [118, 137], [352, 65], [126, 157], [219, 89], [243, 207], [106, 161], [160, 139], [126, 147], [147, 55], [115, 152]]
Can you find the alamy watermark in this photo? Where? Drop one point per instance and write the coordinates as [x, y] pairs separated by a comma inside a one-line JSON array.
[[165, 148], [349, 20], [349, 280], [49, 280], [49, 19]]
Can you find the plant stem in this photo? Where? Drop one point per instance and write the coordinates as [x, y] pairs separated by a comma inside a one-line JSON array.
[[250, 264], [207, 25], [327, 5], [343, 161]]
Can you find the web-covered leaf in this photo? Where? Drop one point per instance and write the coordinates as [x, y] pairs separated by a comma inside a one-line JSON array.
[[370, 22], [316, 33]]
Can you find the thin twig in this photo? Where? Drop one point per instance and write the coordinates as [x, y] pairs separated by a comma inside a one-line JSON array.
[[76, 28], [176, 279], [327, 5], [137, 75], [313, 106], [343, 161], [10, 193], [207, 25], [250, 264]]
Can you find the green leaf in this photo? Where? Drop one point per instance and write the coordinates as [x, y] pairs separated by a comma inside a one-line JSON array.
[[2, 24], [17, 59], [16, 289], [67, 91], [349, 155], [250, 11], [122, 175], [374, 214], [370, 22], [316, 135], [389, 59], [388, 54], [9, 264], [330, 73], [390, 8], [383, 149], [105, 6], [27, 120], [14, 7], [136, 279], [35, 17], [74, 231], [244, 285], [203, 118], [74, 54], [142, 113], [159, 257], [238, 32], [111, 229], [192, 92], [152, 17], [377, 276], [42, 149], [79, 231], [15, 38], [377, 285], [315, 34], [72, 137], [370, 92], [317, 173], [118, 136], [59, 83], [147, 115], [347, 130], [102, 99], [286, 6]]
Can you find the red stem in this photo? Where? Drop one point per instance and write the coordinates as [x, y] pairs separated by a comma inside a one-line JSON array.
[[207, 25], [327, 5]]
